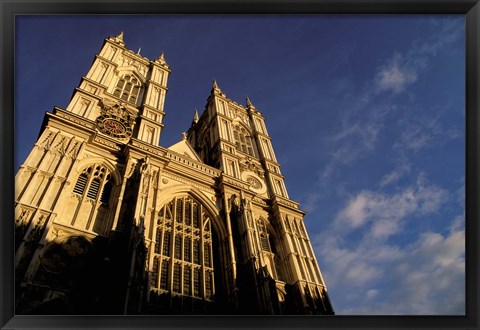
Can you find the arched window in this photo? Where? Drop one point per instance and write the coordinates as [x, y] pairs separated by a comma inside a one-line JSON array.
[[183, 256], [243, 140], [128, 88], [97, 179], [89, 204], [269, 250], [264, 236]]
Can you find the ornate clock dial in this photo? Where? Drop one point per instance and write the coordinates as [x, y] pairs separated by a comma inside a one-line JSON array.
[[114, 126], [256, 184]]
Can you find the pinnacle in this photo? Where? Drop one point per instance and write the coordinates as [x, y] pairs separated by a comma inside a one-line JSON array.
[[195, 116]]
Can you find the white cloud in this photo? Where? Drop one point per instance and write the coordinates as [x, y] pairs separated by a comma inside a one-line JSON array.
[[378, 256], [402, 169], [424, 278], [386, 212], [368, 274], [369, 106], [403, 70], [395, 76]]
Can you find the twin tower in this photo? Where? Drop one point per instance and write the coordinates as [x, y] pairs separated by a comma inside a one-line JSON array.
[[110, 222]]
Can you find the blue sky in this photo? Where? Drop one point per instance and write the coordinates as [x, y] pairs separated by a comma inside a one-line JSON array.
[[367, 117]]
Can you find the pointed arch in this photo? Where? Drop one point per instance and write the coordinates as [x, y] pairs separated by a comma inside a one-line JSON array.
[[184, 254], [131, 70], [115, 174], [129, 85], [96, 182], [272, 248], [177, 190], [242, 137]]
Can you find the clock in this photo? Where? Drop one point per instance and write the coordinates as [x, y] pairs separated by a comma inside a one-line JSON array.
[[256, 184], [114, 126]]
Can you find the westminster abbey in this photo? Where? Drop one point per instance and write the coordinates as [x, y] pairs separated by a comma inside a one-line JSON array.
[[107, 221]]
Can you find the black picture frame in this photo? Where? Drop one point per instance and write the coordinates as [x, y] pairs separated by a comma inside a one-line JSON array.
[[9, 9]]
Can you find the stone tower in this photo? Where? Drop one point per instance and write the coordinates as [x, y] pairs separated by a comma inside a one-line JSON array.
[[110, 222]]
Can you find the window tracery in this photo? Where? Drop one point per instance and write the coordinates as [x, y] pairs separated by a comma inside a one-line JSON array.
[[93, 180], [128, 88], [243, 140], [92, 193], [185, 239]]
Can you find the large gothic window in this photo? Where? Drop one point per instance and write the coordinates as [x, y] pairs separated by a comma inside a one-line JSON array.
[[243, 140], [127, 88], [183, 258]]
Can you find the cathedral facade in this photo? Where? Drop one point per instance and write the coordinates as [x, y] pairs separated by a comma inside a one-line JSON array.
[[108, 221]]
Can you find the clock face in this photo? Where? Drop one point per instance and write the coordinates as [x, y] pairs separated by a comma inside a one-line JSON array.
[[114, 127], [256, 184]]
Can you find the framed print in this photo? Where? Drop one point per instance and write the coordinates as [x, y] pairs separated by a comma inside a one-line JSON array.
[[229, 164]]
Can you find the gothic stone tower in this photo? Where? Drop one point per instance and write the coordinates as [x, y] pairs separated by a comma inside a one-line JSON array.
[[110, 222]]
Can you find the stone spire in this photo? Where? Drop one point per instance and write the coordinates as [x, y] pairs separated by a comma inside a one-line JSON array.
[[119, 39], [250, 106], [161, 60], [215, 88]]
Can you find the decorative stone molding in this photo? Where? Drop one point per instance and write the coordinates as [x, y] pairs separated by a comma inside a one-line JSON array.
[[46, 143], [183, 180], [155, 179], [113, 108], [74, 150], [106, 143], [145, 147], [75, 119], [161, 61], [193, 164], [130, 171], [248, 164], [128, 60], [118, 39], [256, 184]]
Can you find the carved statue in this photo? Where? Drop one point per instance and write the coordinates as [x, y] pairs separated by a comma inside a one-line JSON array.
[[145, 163]]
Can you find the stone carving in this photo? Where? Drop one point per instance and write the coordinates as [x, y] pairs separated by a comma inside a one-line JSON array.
[[254, 183], [73, 150], [129, 173], [247, 164], [144, 168], [129, 61], [118, 39], [110, 107], [47, 141]]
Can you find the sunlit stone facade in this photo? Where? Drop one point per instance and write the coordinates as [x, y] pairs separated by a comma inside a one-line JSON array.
[[108, 221]]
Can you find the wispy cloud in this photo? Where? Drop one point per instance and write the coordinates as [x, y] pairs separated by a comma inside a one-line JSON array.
[[379, 254], [385, 212], [383, 277], [424, 132], [424, 278], [403, 70], [395, 76], [363, 123], [394, 176]]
